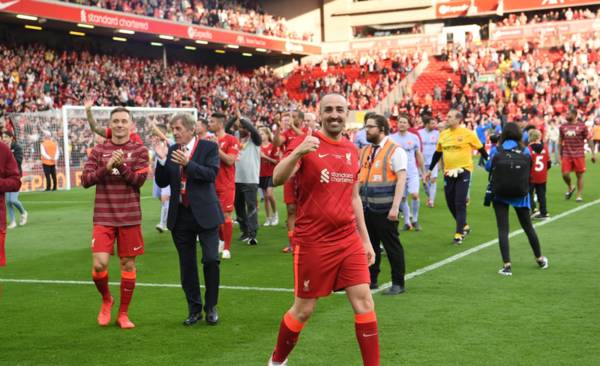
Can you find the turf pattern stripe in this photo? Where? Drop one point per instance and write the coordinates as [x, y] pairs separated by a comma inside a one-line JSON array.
[[409, 276]]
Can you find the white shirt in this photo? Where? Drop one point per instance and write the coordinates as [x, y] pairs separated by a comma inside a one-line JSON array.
[[399, 157]]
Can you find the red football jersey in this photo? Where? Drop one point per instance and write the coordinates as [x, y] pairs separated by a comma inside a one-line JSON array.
[[266, 167], [573, 139], [290, 135], [325, 179], [226, 177], [539, 165]]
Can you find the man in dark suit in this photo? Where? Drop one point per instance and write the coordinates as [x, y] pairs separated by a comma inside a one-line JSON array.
[[190, 168]]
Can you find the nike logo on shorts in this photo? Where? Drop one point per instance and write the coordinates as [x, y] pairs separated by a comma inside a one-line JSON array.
[[135, 249], [365, 335]]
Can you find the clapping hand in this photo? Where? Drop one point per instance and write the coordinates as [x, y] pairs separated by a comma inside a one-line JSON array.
[[116, 159], [180, 157]]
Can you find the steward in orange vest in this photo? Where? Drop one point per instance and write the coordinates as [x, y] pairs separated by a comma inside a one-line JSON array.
[[382, 180], [49, 154]]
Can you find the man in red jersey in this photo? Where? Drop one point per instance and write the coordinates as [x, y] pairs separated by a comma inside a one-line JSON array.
[[332, 250], [229, 148], [571, 143], [118, 168], [293, 123]]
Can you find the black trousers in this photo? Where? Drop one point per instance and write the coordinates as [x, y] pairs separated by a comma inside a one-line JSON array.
[[246, 208], [184, 234], [50, 173], [540, 191], [456, 191], [382, 230], [501, 210]]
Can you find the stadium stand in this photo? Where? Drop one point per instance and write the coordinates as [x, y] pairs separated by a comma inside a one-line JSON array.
[[241, 15]]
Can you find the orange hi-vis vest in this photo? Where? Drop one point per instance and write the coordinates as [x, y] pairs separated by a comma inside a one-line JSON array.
[[377, 178], [50, 147]]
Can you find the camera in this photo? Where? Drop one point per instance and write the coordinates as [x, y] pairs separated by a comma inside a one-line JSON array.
[[489, 196]]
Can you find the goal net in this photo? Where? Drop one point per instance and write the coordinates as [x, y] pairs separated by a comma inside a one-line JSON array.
[[68, 127]]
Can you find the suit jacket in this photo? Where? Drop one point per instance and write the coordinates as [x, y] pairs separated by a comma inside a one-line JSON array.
[[201, 174]]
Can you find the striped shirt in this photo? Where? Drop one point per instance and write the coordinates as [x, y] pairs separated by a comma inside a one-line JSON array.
[[117, 201], [573, 138]]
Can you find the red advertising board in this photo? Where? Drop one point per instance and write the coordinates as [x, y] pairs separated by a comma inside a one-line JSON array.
[[458, 8], [119, 20]]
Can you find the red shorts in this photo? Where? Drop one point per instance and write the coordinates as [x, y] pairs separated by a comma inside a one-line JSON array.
[[319, 270], [227, 198], [576, 165], [289, 191], [129, 240]]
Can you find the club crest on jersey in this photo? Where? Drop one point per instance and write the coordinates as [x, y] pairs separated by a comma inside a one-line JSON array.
[[348, 158]]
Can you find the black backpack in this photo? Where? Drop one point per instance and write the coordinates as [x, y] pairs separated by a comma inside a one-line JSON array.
[[510, 173]]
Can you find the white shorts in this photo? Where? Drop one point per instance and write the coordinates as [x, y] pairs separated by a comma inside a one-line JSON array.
[[158, 192], [412, 184]]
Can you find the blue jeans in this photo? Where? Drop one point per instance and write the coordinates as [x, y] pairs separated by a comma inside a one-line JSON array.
[[12, 202]]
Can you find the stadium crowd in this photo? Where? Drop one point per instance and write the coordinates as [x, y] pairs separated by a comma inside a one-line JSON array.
[[241, 15], [515, 19]]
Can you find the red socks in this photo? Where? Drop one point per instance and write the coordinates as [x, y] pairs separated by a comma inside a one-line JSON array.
[[127, 287], [227, 233], [289, 331], [101, 281], [368, 338], [2, 249]]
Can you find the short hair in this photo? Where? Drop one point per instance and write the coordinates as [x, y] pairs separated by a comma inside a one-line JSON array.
[[426, 119], [186, 120], [220, 116], [368, 115], [204, 121], [494, 139], [120, 109], [381, 122], [404, 116], [331, 95], [458, 113], [534, 134], [300, 114]]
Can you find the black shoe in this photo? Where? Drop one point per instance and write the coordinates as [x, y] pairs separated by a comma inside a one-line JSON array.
[[252, 241], [569, 193], [212, 317], [395, 290], [373, 286], [192, 319], [244, 237]]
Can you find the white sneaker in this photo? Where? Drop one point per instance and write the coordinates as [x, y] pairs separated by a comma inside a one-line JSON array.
[[543, 263], [273, 363], [12, 225], [160, 228], [226, 254], [268, 222], [275, 220], [23, 219], [221, 246]]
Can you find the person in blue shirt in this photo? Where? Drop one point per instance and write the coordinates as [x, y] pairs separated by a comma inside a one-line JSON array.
[[360, 139], [511, 140]]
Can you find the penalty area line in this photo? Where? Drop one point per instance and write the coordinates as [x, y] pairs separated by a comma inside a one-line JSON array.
[[482, 246]]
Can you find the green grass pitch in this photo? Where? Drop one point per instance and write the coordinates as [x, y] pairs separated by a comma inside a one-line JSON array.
[[462, 313]]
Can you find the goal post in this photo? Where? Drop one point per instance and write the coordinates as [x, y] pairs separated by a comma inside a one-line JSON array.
[[69, 128]]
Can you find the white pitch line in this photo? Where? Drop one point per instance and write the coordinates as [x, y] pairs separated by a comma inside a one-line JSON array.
[[476, 249], [409, 276], [66, 282]]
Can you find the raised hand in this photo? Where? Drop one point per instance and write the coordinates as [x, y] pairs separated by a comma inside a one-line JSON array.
[[310, 144]]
